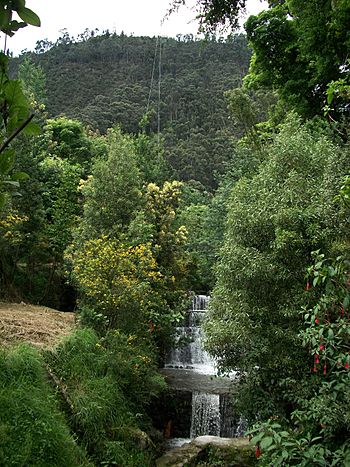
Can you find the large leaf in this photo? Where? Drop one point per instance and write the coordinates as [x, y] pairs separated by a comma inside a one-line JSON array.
[[15, 25], [5, 17], [6, 161], [14, 93], [20, 176], [18, 4], [32, 129], [29, 16]]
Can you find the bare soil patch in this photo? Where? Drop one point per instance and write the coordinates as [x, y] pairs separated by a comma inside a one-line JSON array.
[[37, 325]]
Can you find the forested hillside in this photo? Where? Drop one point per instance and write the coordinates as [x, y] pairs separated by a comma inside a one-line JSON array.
[[106, 79]]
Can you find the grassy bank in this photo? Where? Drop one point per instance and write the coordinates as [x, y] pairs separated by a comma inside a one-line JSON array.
[[96, 414]]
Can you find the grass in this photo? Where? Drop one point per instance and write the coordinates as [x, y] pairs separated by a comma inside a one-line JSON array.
[[32, 429]]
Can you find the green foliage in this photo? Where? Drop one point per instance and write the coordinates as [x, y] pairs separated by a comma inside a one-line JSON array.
[[32, 431], [33, 82], [299, 49], [276, 218], [109, 381], [122, 281], [10, 26], [70, 141], [14, 114], [60, 201], [319, 432], [105, 79], [214, 13], [113, 193]]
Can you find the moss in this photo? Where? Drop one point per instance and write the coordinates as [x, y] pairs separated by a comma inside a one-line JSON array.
[[213, 456]]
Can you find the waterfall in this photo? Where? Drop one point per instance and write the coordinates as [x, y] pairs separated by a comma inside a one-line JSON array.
[[190, 369], [188, 352], [206, 419]]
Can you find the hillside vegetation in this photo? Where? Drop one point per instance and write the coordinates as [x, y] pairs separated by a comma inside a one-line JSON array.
[[107, 79]]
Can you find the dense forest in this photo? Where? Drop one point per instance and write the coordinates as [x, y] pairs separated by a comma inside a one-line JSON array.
[[137, 171], [105, 79]]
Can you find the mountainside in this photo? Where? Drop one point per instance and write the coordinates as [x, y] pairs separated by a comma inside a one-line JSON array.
[[109, 79]]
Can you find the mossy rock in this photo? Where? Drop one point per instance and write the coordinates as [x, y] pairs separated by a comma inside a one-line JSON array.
[[213, 456]]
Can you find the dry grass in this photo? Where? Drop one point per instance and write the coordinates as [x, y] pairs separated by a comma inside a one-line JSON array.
[[37, 325]]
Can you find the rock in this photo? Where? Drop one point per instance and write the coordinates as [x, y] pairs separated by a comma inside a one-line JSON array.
[[203, 441], [139, 438], [237, 450], [180, 456]]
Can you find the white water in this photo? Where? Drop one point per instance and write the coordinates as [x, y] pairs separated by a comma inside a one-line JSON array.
[[206, 418], [189, 353]]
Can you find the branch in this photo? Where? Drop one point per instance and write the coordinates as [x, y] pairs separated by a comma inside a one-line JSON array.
[[59, 385], [16, 132]]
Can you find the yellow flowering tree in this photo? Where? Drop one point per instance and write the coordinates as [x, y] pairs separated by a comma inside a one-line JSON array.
[[120, 281]]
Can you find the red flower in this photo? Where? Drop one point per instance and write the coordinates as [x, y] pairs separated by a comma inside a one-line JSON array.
[[347, 365], [316, 359], [316, 320], [322, 347], [257, 452], [308, 285]]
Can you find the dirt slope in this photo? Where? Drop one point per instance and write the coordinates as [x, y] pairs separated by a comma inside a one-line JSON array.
[[38, 325]]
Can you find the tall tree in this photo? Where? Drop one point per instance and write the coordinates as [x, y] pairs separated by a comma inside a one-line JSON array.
[[275, 219]]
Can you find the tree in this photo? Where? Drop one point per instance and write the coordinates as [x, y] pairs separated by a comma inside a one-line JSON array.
[[113, 192], [275, 219], [14, 114], [213, 13], [299, 47]]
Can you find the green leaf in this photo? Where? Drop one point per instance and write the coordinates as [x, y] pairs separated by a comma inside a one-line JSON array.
[[20, 176], [32, 129], [16, 25], [17, 4], [5, 16], [29, 16], [256, 439], [11, 183], [6, 161], [266, 442]]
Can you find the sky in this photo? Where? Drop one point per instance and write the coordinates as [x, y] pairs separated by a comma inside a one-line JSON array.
[[137, 17]]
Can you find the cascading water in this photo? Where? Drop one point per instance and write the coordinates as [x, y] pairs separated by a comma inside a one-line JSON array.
[[189, 353], [189, 368], [206, 417]]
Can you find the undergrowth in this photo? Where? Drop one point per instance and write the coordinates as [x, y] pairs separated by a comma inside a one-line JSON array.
[[96, 415]]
